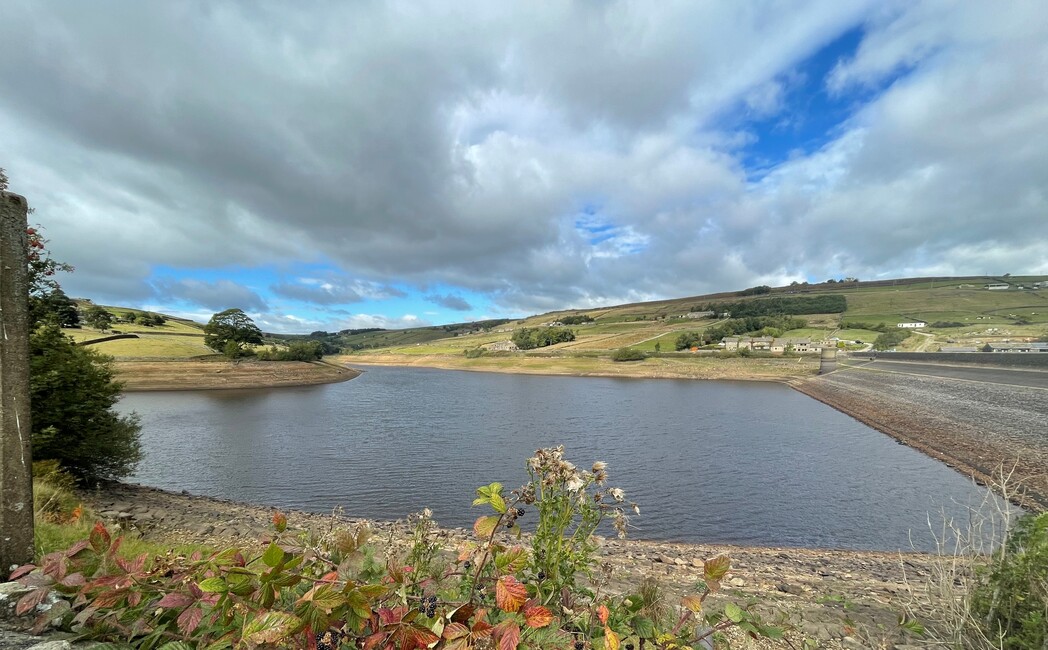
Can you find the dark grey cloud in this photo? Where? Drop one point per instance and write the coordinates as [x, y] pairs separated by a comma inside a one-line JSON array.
[[218, 296], [450, 301], [429, 145]]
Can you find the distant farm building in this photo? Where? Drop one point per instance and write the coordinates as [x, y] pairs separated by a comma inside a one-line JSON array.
[[769, 344], [913, 325], [698, 314], [502, 346], [998, 286]]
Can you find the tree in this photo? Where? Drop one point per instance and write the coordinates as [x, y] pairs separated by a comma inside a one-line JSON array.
[[229, 332], [55, 307], [98, 318], [72, 392]]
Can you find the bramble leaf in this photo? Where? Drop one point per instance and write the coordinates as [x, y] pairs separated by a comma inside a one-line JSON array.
[[271, 627], [510, 594], [644, 627], [189, 619], [611, 640], [537, 616], [602, 614], [508, 633], [734, 613], [99, 538], [279, 521], [273, 555], [714, 569], [485, 526], [213, 585], [27, 602], [175, 599], [693, 603]]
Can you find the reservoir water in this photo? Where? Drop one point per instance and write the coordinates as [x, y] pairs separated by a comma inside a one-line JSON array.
[[720, 462]]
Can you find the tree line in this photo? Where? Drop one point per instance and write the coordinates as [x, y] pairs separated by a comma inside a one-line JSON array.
[[529, 338], [753, 325]]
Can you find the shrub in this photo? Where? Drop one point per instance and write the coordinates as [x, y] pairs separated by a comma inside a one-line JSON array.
[[890, 339], [628, 354], [473, 353], [1010, 598], [301, 592]]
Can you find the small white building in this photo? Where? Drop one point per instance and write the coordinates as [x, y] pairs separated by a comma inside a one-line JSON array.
[[998, 286], [913, 325]]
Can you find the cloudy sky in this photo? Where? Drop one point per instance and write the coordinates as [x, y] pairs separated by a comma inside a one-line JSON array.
[[331, 164]]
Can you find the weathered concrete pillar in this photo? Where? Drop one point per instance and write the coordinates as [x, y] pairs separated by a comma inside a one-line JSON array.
[[827, 360], [16, 473]]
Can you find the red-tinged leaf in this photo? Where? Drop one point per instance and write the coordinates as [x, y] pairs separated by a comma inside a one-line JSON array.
[[421, 637], [99, 538], [189, 619], [462, 614], [508, 634], [481, 630], [483, 527], [374, 640], [55, 565], [692, 603], [457, 644], [602, 614], [134, 598], [21, 571], [455, 631], [115, 546], [510, 594], [714, 569], [537, 616], [330, 576], [279, 522], [27, 602], [175, 599], [73, 580], [393, 616], [76, 548]]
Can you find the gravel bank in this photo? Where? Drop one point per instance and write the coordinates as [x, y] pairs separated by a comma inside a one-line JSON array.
[[975, 427]]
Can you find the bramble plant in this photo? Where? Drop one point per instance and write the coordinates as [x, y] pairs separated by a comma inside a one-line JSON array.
[[301, 590]]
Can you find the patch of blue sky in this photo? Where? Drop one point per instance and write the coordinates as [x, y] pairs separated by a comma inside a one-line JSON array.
[[809, 114]]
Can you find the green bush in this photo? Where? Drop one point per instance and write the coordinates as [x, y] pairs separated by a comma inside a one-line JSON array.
[[628, 354], [890, 339], [474, 353], [1010, 600]]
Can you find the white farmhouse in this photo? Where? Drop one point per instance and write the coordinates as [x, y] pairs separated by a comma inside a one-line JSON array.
[[913, 325]]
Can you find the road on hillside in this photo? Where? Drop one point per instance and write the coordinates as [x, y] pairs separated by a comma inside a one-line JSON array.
[[1026, 378]]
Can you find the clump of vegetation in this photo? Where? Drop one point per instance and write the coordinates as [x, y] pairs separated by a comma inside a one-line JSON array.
[[297, 351], [474, 353], [943, 324], [790, 305], [628, 354], [760, 325], [754, 291], [529, 338], [1010, 599], [578, 319], [891, 338], [299, 591]]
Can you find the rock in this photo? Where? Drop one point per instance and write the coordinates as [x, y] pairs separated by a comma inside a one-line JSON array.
[[52, 645], [737, 582], [851, 643], [665, 559], [697, 563], [206, 529], [679, 562], [790, 589], [13, 590]]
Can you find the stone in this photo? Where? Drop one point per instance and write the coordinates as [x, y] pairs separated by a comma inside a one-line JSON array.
[[851, 643], [737, 582], [697, 563], [790, 589], [52, 645], [665, 559]]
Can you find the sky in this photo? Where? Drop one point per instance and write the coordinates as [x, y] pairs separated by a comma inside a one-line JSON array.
[[336, 165]]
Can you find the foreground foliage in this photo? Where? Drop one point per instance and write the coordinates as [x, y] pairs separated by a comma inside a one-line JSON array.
[[334, 592], [1010, 599]]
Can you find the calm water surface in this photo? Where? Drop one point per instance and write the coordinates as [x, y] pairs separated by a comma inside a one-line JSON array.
[[728, 462]]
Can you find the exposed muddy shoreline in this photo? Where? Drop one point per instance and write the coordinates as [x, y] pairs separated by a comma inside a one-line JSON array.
[[155, 375]]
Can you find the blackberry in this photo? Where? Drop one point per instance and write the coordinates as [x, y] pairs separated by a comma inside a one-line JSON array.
[[467, 564], [629, 646], [541, 575], [520, 512], [509, 524], [579, 645]]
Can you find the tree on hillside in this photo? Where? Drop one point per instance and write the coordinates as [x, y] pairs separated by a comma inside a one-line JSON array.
[[229, 332], [72, 390], [98, 318]]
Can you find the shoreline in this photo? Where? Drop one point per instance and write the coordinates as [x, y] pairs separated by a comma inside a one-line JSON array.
[[819, 586], [166, 375]]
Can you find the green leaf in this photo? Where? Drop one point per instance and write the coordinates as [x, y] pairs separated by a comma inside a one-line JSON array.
[[175, 645], [213, 585], [644, 627], [271, 627], [274, 555], [498, 503], [734, 613], [485, 526]]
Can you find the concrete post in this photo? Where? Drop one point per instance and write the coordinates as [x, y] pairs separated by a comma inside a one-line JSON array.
[[827, 360], [16, 473]]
